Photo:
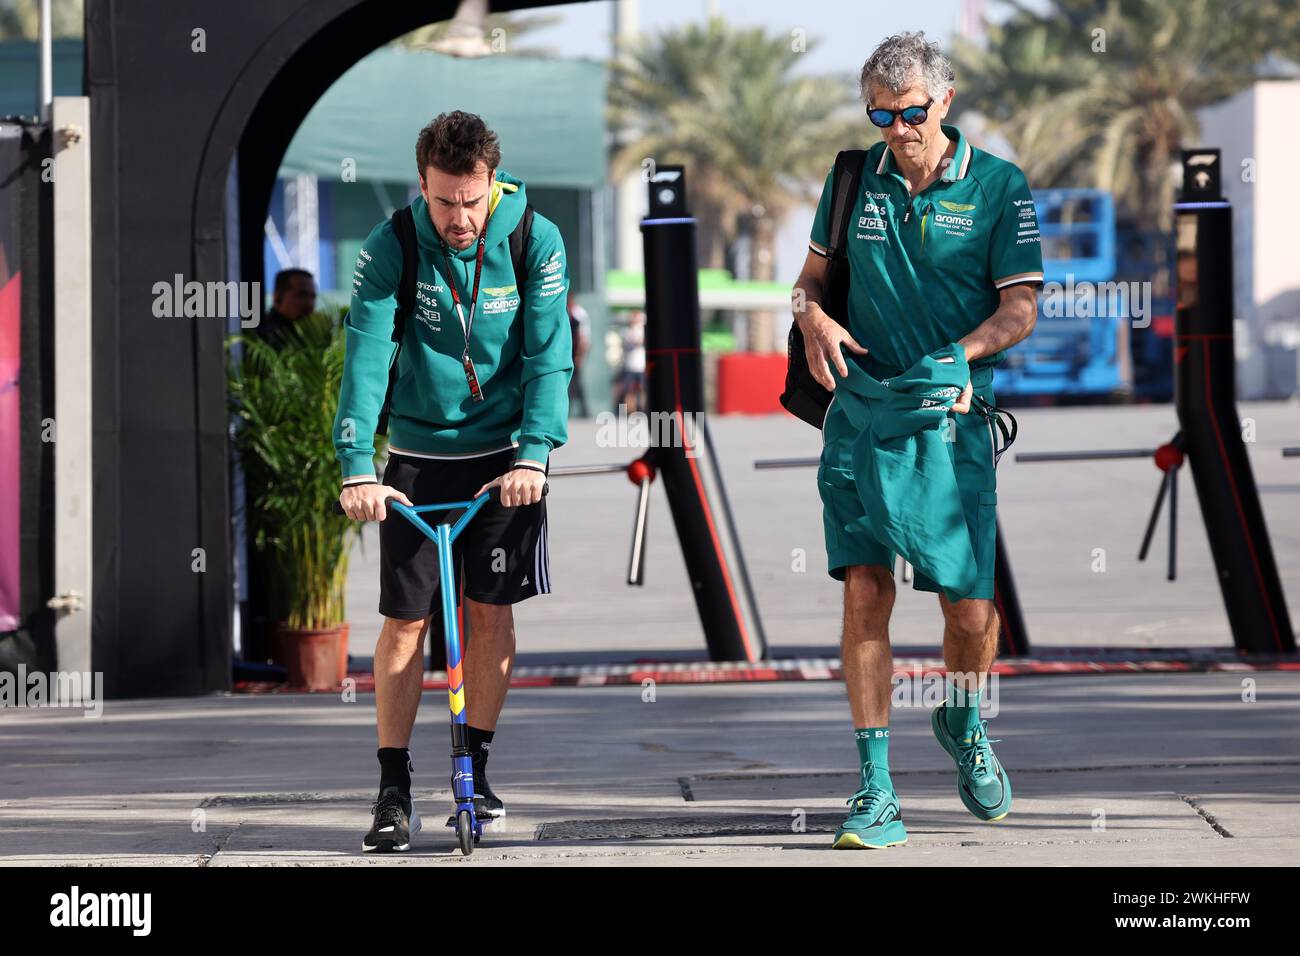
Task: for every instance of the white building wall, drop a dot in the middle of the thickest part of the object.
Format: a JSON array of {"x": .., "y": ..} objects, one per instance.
[
  {"x": 1259, "y": 140},
  {"x": 1277, "y": 233}
]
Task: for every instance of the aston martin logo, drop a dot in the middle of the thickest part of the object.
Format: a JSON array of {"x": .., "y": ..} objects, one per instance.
[
  {"x": 956, "y": 206},
  {"x": 499, "y": 290}
]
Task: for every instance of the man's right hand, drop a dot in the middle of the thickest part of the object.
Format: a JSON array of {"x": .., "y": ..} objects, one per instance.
[
  {"x": 366, "y": 502},
  {"x": 823, "y": 338}
]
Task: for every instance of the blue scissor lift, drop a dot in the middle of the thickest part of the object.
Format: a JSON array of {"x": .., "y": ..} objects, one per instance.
[{"x": 1071, "y": 355}]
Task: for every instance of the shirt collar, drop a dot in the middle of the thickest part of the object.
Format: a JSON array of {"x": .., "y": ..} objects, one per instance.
[{"x": 957, "y": 169}]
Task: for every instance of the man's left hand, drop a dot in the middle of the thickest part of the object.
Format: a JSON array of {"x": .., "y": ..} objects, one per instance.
[
  {"x": 962, "y": 405},
  {"x": 519, "y": 486}
]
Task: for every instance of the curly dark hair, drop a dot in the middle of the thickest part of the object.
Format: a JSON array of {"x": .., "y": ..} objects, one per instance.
[{"x": 456, "y": 143}]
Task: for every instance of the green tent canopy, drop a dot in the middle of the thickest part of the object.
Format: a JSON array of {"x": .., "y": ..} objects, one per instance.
[{"x": 549, "y": 114}]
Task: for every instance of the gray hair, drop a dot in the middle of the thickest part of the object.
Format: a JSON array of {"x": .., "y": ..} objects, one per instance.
[{"x": 903, "y": 59}]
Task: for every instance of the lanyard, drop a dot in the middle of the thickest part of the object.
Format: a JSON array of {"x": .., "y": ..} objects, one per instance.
[
  {"x": 471, "y": 377},
  {"x": 466, "y": 327}
]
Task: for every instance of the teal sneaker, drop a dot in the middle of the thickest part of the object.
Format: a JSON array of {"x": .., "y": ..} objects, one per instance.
[
  {"x": 874, "y": 821},
  {"x": 982, "y": 781}
]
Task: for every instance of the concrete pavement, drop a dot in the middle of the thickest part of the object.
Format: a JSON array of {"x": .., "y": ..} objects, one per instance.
[{"x": 1108, "y": 771}]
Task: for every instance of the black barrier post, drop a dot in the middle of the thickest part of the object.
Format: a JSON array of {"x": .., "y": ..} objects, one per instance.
[
  {"x": 675, "y": 396},
  {"x": 1209, "y": 440},
  {"x": 1013, "y": 635},
  {"x": 1205, "y": 396}
]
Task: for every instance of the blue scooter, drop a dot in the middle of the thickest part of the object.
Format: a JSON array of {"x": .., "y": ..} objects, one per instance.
[{"x": 469, "y": 829}]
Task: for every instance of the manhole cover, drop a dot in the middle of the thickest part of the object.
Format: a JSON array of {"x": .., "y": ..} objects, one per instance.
[{"x": 663, "y": 828}]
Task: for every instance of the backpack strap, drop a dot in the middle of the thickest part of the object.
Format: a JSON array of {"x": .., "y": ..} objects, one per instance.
[
  {"x": 846, "y": 184},
  {"x": 403, "y": 223},
  {"x": 519, "y": 238},
  {"x": 804, "y": 397}
]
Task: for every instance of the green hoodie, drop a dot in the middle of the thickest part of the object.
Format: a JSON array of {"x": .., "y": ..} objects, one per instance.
[
  {"x": 523, "y": 360},
  {"x": 905, "y": 464}
]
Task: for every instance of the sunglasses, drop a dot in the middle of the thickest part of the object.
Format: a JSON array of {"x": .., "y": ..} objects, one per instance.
[{"x": 912, "y": 115}]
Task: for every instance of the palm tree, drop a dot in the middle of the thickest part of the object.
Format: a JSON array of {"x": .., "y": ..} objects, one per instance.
[
  {"x": 1116, "y": 117},
  {"x": 467, "y": 36},
  {"x": 757, "y": 140},
  {"x": 21, "y": 19}
]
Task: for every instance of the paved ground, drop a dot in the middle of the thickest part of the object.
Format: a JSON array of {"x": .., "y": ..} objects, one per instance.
[{"x": 1109, "y": 771}]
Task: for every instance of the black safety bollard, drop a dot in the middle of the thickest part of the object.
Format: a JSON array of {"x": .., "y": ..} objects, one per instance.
[
  {"x": 1205, "y": 396},
  {"x": 692, "y": 481}
]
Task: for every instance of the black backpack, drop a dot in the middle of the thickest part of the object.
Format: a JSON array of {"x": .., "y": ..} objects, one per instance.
[
  {"x": 804, "y": 397},
  {"x": 403, "y": 222}
]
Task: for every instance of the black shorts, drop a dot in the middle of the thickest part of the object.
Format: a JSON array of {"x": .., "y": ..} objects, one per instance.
[{"x": 501, "y": 555}]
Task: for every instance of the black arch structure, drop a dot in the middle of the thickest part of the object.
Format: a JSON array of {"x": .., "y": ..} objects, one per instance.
[{"x": 167, "y": 123}]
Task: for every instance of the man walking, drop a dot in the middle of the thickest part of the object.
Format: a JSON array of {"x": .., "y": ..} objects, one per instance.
[
  {"x": 480, "y": 400},
  {"x": 943, "y": 250}
]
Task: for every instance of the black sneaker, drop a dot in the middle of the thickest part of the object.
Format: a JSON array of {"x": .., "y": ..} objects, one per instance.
[
  {"x": 395, "y": 822},
  {"x": 487, "y": 805}
]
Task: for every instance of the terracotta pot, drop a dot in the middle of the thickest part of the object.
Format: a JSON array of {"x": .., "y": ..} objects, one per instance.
[
  {"x": 313, "y": 657},
  {"x": 343, "y": 653}
]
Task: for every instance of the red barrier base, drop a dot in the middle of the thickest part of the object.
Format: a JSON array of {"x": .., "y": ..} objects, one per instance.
[{"x": 751, "y": 384}]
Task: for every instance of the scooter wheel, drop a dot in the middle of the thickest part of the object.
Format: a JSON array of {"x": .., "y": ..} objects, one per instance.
[{"x": 465, "y": 832}]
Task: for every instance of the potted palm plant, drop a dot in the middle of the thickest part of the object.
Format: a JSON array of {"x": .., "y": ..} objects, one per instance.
[{"x": 284, "y": 397}]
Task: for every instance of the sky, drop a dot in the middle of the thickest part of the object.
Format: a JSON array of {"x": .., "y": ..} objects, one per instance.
[
  {"x": 846, "y": 33},
  {"x": 847, "y": 30}
]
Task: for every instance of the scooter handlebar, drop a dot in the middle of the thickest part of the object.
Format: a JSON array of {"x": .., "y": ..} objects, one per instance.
[{"x": 494, "y": 491}]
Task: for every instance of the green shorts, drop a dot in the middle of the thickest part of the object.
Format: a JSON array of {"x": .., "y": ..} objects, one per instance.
[{"x": 976, "y": 479}]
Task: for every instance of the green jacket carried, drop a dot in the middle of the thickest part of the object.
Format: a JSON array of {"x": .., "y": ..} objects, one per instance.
[
  {"x": 904, "y": 465},
  {"x": 520, "y": 345}
]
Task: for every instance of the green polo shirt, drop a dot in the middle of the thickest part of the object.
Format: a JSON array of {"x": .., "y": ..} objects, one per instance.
[{"x": 926, "y": 270}]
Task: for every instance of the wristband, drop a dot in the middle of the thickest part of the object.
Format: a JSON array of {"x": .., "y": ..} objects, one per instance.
[{"x": 530, "y": 467}]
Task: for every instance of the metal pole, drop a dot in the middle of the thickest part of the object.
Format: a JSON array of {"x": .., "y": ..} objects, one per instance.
[
  {"x": 1098, "y": 455},
  {"x": 763, "y": 464},
  {"x": 574, "y": 471},
  {"x": 636, "y": 563},
  {"x": 47, "y": 62}
]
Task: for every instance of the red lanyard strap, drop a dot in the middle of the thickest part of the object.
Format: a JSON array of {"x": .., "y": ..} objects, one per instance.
[{"x": 466, "y": 327}]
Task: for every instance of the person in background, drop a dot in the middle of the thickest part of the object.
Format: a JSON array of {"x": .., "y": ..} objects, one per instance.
[
  {"x": 293, "y": 297},
  {"x": 631, "y": 381},
  {"x": 580, "y": 330}
]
